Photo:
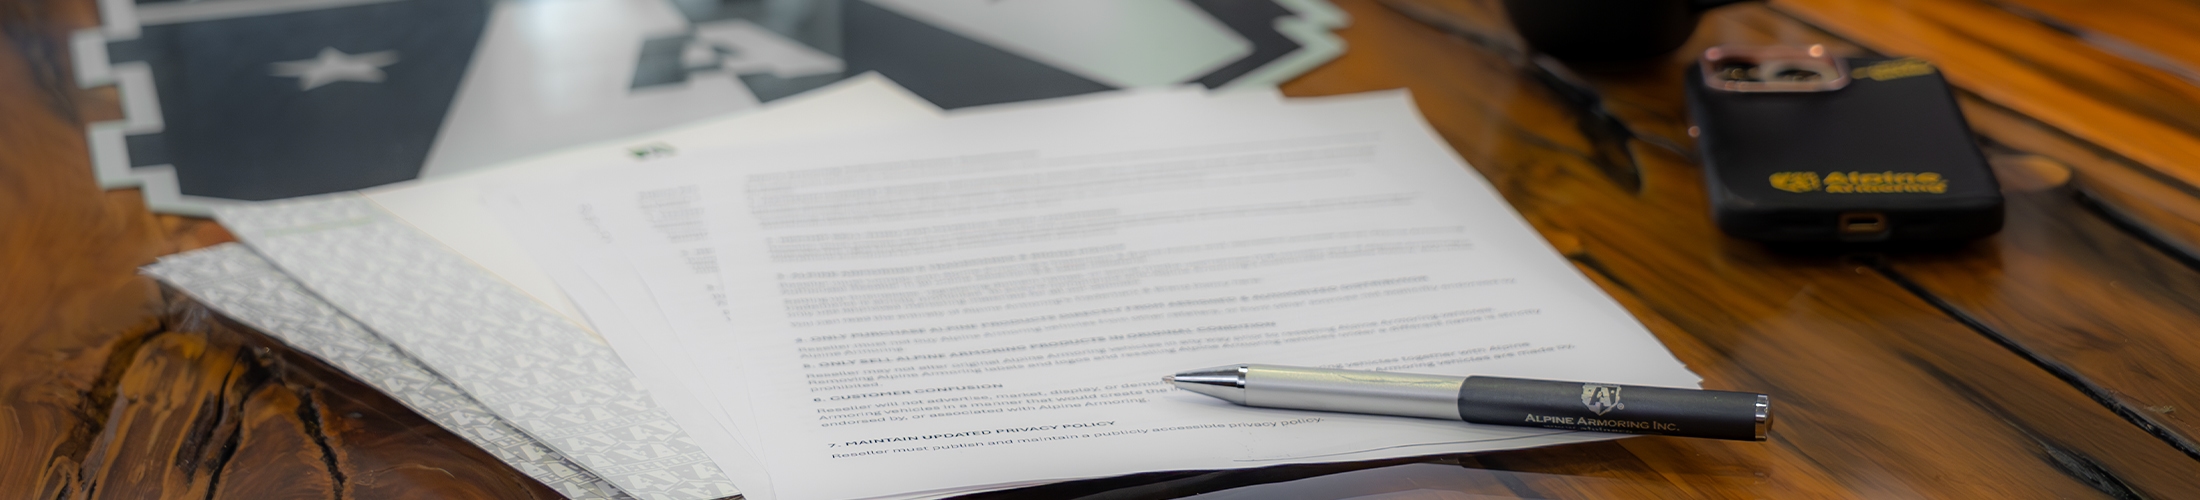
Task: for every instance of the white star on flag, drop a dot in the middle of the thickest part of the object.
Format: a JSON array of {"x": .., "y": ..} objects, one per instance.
[{"x": 335, "y": 66}]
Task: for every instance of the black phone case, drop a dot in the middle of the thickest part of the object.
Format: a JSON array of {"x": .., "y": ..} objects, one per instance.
[{"x": 1794, "y": 167}]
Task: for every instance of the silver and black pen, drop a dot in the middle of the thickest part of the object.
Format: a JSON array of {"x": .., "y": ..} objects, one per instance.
[{"x": 1491, "y": 400}]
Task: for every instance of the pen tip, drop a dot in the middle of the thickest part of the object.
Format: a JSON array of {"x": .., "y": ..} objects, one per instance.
[{"x": 1168, "y": 379}]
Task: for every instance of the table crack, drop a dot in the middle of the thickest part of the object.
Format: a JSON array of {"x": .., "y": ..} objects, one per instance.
[
  {"x": 309, "y": 414},
  {"x": 2101, "y": 395}
]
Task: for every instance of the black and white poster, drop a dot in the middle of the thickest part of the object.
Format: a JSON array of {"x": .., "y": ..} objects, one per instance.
[{"x": 244, "y": 100}]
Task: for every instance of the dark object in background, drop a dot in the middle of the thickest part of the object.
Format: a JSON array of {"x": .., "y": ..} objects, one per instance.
[
  {"x": 1799, "y": 146},
  {"x": 955, "y": 71},
  {"x": 1606, "y": 30}
]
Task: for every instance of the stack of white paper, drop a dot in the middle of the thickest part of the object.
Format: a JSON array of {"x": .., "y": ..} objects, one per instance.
[
  {"x": 870, "y": 300},
  {"x": 989, "y": 300},
  {"x": 414, "y": 290}
]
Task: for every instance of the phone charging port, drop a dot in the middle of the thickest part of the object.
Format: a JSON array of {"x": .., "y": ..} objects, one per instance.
[{"x": 1863, "y": 225}]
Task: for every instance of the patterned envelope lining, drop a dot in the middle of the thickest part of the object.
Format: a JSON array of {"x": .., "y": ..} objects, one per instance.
[
  {"x": 529, "y": 365},
  {"x": 244, "y": 287}
]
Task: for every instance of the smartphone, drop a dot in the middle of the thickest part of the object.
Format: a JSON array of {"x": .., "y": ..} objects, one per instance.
[{"x": 1801, "y": 147}]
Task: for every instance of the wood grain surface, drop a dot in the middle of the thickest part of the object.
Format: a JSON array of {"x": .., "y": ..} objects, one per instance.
[
  {"x": 109, "y": 389},
  {"x": 2050, "y": 361},
  {"x": 2122, "y": 77}
]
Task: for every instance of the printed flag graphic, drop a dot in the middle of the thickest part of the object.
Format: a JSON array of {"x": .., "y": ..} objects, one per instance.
[{"x": 242, "y": 100}]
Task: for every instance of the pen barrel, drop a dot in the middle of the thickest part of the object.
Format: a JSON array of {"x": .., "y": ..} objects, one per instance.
[
  {"x": 1615, "y": 408},
  {"x": 1378, "y": 393}
]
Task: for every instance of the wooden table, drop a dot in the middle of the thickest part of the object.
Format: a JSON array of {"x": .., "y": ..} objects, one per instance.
[{"x": 2060, "y": 358}]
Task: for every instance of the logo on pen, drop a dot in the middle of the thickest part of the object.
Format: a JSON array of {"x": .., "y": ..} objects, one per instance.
[{"x": 1601, "y": 398}]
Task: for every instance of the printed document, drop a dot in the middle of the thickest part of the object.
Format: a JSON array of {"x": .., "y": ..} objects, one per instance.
[
  {"x": 991, "y": 300},
  {"x": 449, "y": 208},
  {"x": 456, "y": 214}
]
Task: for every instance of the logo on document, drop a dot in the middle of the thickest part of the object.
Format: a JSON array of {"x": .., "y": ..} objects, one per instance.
[{"x": 1601, "y": 398}]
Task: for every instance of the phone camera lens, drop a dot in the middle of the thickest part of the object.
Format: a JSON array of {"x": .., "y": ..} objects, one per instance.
[{"x": 1738, "y": 71}]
